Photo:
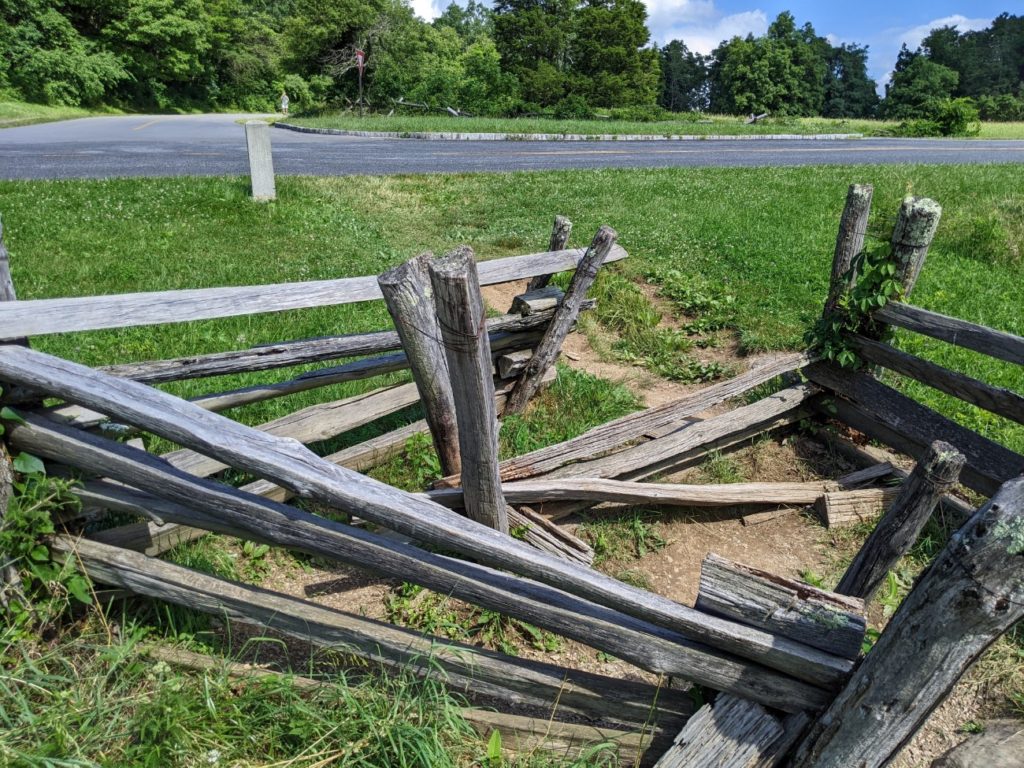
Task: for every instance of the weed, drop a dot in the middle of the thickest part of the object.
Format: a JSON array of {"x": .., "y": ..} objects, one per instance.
[
  {"x": 629, "y": 536},
  {"x": 718, "y": 468}
]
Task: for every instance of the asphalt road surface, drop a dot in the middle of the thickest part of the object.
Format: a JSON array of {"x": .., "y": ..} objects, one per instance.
[{"x": 208, "y": 145}]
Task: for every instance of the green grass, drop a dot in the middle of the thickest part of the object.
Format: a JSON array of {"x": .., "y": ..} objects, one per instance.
[
  {"x": 762, "y": 236},
  {"x": 15, "y": 113},
  {"x": 682, "y": 125}
]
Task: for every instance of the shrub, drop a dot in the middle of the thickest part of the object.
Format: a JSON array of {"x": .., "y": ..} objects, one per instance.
[
  {"x": 956, "y": 117},
  {"x": 573, "y": 107}
]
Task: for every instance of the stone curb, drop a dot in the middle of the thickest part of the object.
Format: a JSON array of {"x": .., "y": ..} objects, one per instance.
[{"x": 564, "y": 136}]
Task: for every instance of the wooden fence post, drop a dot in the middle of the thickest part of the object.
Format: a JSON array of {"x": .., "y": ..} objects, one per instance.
[
  {"x": 849, "y": 243},
  {"x": 547, "y": 351},
  {"x": 970, "y": 595},
  {"x": 410, "y": 300},
  {"x": 912, "y": 236},
  {"x": 261, "y": 161},
  {"x": 460, "y": 312},
  {"x": 900, "y": 526},
  {"x": 560, "y": 232}
]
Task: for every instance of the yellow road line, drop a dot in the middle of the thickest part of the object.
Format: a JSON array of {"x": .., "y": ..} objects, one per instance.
[{"x": 146, "y": 125}]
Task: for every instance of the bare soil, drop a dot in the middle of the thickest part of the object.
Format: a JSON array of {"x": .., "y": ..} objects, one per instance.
[{"x": 792, "y": 544}]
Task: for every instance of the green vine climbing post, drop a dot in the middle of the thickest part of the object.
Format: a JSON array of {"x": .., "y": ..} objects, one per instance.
[{"x": 849, "y": 243}]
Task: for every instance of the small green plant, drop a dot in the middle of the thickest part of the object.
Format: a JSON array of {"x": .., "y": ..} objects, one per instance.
[
  {"x": 812, "y": 578},
  {"x": 256, "y": 563},
  {"x": 721, "y": 469},
  {"x": 412, "y": 606},
  {"x": 630, "y": 536}
]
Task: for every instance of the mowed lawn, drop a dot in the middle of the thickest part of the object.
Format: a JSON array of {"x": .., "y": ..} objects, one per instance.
[{"x": 763, "y": 236}]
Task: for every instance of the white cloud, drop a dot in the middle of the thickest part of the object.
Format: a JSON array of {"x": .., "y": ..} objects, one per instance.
[
  {"x": 429, "y": 9},
  {"x": 913, "y": 37},
  {"x": 703, "y": 35},
  {"x": 886, "y": 46}
]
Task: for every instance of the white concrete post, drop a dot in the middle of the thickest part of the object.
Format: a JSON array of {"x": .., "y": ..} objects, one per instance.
[{"x": 261, "y": 162}]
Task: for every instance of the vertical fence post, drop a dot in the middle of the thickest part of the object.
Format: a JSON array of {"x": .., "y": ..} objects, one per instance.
[
  {"x": 971, "y": 595},
  {"x": 849, "y": 243},
  {"x": 410, "y": 300},
  {"x": 261, "y": 161},
  {"x": 560, "y": 232},
  {"x": 900, "y": 526},
  {"x": 460, "y": 312},
  {"x": 8, "y": 571},
  {"x": 912, "y": 236},
  {"x": 562, "y": 321}
]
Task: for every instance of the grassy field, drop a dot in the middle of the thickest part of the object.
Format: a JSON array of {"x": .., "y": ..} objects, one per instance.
[
  {"x": 738, "y": 254},
  {"x": 15, "y": 113},
  {"x": 682, "y": 126},
  {"x": 756, "y": 240}
]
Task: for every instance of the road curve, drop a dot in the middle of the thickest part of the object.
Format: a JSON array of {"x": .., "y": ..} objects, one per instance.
[{"x": 209, "y": 145}]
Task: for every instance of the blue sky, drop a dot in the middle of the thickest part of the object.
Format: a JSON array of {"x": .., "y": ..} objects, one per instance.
[{"x": 883, "y": 26}]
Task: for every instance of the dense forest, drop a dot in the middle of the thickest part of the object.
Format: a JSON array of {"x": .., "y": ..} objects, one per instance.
[{"x": 566, "y": 58}]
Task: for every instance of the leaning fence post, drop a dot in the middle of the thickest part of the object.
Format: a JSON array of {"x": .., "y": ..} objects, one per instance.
[
  {"x": 460, "y": 312},
  {"x": 562, "y": 321},
  {"x": 560, "y": 232},
  {"x": 261, "y": 161},
  {"x": 410, "y": 300},
  {"x": 849, "y": 243},
  {"x": 899, "y": 527},
  {"x": 971, "y": 595}
]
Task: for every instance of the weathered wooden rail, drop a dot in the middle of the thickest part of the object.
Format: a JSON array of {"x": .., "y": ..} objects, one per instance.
[{"x": 785, "y": 658}]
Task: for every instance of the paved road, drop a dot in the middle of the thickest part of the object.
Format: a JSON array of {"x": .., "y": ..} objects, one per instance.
[{"x": 209, "y": 145}]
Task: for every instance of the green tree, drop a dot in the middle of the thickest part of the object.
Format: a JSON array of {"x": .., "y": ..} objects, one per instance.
[
  {"x": 534, "y": 39},
  {"x": 918, "y": 84},
  {"x": 473, "y": 22},
  {"x": 849, "y": 91},
  {"x": 684, "y": 78},
  {"x": 610, "y": 65}
]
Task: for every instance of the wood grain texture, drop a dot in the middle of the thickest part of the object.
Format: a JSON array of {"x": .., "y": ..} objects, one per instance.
[
  {"x": 971, "y": 594},
  {"x": 997, "y": 400},
  {"x": 564, "y": 319},
  {"x": 849, "y": 243},
  {"x": 289, "y": 464},
  {"x": 513, "y": 363},
  {"x": 463, "y": 667},
  {"x": 842, "y": 509},
  {"x": 560, "y": 232},
  {"x": 538, "y": 300},
  {"x": 227, "y": 510},
  {"x": 916, "y": 224},
  {"x": 410, "y": 302},
  {"x": 289, "y": 353},
  {"x": 988, "y": 341},
  {"x": 911, "y": 427},
  {"x": 657, "y": 494},
  {"x": 898, "y": 529},
  {"x": 39, "y": 316},
  {"x": 664, "y": 453},
  {"x": 460, "y": 315},
  {"x": 825, "y": 620},
  {"x": 727, "y": 733}
]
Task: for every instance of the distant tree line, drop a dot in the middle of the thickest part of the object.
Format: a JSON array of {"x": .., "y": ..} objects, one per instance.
[{"x": 559, "y": 57}]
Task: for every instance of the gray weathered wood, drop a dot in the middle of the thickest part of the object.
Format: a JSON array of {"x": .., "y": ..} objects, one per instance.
[
  {"x": 664, "y": 453},
  {"x": 227, "y": 510},
  {"x": 997, "y": 400},
  {"x": 148, "y": 537},
  {"x": 969, "y": 596},
  {"x": 10, "y": 581},
  {"x": 842, "y": 509},
  {"x": 866, "y": 476},
  {"x": 911, "y": 427},
  {"x": 261, "y": 161},
  {"x": 290, "y": 464},
  {"x": 568, "y": 310},
  {"x": 826, "y": 620},
  {"x": 410, "y": 301},
  {"x": 727, "y": 733},
  {"x": 903, "y": 522},
  {"x": 988, "y": 341},
  {"x": 541, "y": 533},
  {"x": 531, "y": 302},
  {"x": 643, "y": 425},
  {"x": 461, "y": 312},
  {"x": 289, "y": 353},
  {"x": 513, "y": 363},
  {"x": 38, "y": 316},
  {"x": 463, "y": 667},
  {"x": 957, "y": 511},
  {"x": 849, "y": 243},
  {"x": 915, "y": 228},
  {"x": 657, "y": 494},
  {"x": 7, "y": 292},
  {"x": 560, "y": 232}
]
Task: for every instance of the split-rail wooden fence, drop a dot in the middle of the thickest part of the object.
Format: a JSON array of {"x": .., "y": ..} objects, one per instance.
[{"x": 782, "y": 662}]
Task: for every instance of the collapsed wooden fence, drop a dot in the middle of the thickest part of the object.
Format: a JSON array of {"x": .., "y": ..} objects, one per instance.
[{"x": 785, "y": 657}]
